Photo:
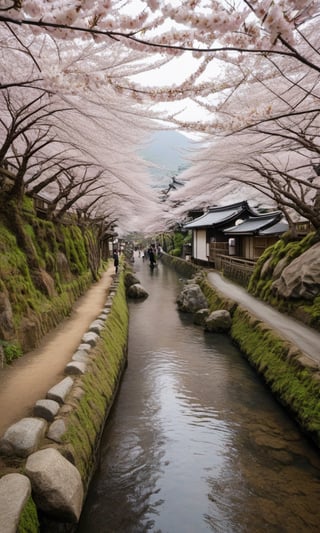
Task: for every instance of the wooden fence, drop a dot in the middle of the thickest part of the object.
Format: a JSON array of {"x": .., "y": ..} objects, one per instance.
[{"x": 235, "y": 268}]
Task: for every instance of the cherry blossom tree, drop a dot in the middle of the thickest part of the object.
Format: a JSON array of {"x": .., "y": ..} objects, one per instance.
[
  {"x": 82, "y": 122},
  {"x": 101, "y": 47},
  {"x": 264, "y": 132}
]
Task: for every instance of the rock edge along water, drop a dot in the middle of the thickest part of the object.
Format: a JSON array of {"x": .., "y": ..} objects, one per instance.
[
  {"x": 69, "y": 434},
  {"x": 292, "y": 376}
]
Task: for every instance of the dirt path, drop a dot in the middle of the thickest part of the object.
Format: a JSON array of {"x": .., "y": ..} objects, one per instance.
[
  {"x": 29, "y": 378},
  {"x": 307, "y": 339}
]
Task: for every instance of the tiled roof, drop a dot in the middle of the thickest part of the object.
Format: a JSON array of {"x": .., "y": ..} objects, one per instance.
[
  {"x": 275, "y": 229},
  {"x": 219, "y": 215},
  {"x": 255, "y": 225}
]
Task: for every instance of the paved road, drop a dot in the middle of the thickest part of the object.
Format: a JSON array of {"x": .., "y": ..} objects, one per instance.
[{"x": 305, "y": 338}]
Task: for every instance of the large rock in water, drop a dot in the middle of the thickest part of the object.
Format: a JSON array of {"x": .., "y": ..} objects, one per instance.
[
  {"x": 137, "y": 291},
  {"x": 191, "y": 299},
  {"x": 130, "y": 279},
  {"x": 301, "y": 279},
  {"x": 218, "y": 321}
]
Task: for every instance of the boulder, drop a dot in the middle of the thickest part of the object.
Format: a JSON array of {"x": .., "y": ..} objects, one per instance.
[
  {"x": 266, "y": 268},
  {"x": 46, "y": 409},
  {"x": 44, "y": 282},
  {"x": 63, "y": 267},
  {"x": 200, "y": 316},
  {"x": 29, "y": 332},
  {"x": 280, "y": 266},
  {"x": 23, "y": 437},
  {"x": 56, "y": 430},
  {"x": 301, "y": 278},
  {"x": 137, "y": 291},
  {"x": 56, "y": 484},
  {"x": 130, "y": 279},
  {"x": 191, "y": 299},
  {"x": 218, "y": 321},
  {"x": 15, "y": 491}
]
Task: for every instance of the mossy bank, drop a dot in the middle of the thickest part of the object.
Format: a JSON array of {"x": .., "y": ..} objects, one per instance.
[
  {"x": 83, "y": 413},
  {"x": 270, "y": 266},
  {"x": 293, "y": 378},
  {"x": 44, "y": 268}
]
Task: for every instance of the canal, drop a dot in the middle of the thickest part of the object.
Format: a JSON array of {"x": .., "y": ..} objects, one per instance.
[{"x": 195, "y": 442}]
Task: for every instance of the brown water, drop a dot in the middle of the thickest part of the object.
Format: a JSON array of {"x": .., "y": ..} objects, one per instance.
[
  {"x": 195, "y": 442},
  {"x": 29, "y": 378}
]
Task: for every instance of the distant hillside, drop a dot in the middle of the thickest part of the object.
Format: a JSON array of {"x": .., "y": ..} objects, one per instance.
[{"x": 169, "y": 151}]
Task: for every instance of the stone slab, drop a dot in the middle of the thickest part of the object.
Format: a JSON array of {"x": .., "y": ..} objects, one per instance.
[
  {"x": 90, "y": 338},
  {"x": 96, "y": 326},
  {"x": 81, "y": 356},
  {"x": 75, "y": 368},
  {"x": 46, "y": 409},
  {"x": 85, "y": 347},
  {"x": 59, "y": 392}
]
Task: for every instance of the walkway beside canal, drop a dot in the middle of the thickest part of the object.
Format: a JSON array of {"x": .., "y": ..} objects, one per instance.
[
  {"x": 27, "y": 379},
  {"x": 302, "y": 336}
]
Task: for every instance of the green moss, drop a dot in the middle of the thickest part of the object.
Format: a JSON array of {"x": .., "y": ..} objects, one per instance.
[
  {"x": 294, "y": 385},
  {"x": 216, "y": 299},
  {"x": 15, "y": 275},
  {"x": 313, "y": 312},
  {"x": 185, "y": 268},
  {"x": 261, "y": 286},
  {"x": 11, "y": 350},
  {"x": 290, "y": 382},
  {"x": 99, "y": 384},
  {"x": 21, "y": 277},
  {"x": 29, "y": 229},
  {"x": 74, "y": 248},
  {"x": 29, "y": 522},
  {"x": 27, "y": 205}
]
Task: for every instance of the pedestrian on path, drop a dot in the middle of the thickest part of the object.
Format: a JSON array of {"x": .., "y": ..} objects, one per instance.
[{"x": 116, "y": 261}]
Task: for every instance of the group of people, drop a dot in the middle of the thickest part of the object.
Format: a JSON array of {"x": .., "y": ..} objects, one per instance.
[{"x": 151, "y": 253}]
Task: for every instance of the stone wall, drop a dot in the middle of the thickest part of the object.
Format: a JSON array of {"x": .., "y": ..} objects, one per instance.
[
  {"x": 49, "y": 458},
  {"x": 185, "y": 268}
]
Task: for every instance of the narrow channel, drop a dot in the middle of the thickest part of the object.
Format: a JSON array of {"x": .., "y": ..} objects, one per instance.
[{"x": 195, "y": 441}]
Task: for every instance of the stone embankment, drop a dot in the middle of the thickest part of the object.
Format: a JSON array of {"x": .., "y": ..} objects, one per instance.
[
  {"x": 49, "y": 457},
  {"x": 291, "y": 374}
]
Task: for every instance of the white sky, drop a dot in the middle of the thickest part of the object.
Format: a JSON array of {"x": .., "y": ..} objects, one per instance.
[{"x": 170, "y": 75}]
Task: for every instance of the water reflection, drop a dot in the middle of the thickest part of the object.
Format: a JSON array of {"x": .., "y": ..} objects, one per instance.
[{"x": 195, "y": 442}]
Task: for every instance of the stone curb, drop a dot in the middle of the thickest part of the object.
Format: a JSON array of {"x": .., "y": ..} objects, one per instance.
[{"x": 23, "y": 439}]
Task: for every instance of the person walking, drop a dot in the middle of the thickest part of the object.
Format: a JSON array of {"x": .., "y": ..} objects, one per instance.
[
  {"x": 116, "y": 261},
  {"x": 152, "y": 257}
]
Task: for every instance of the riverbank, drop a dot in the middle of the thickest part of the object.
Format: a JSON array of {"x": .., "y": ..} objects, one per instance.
[
  {"x": 55, "y": 445},
  {"x": 291, "y": 373}
]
